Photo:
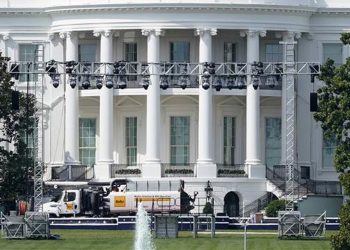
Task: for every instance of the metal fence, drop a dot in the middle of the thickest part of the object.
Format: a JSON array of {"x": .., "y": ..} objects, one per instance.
[
  {"x": 237, "y": 170},
  {"x": 124, "y": 170},
  {"x": 171, "y": 170}
]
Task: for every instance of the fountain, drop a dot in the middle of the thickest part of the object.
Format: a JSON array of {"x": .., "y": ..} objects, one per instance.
[{"x": 143, "y": 238}]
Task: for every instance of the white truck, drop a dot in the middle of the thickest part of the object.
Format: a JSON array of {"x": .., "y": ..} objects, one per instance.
[{"x": 117, "y": 200}]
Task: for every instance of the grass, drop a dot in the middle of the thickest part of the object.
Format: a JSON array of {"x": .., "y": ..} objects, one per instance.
[{"x": 123, "y": 240}]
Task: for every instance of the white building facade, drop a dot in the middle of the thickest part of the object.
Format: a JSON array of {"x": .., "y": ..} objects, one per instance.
[{"x": 158, "y": 135}]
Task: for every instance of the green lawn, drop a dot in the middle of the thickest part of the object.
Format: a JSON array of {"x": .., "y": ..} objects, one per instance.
[{"x": 123, "y": 240}]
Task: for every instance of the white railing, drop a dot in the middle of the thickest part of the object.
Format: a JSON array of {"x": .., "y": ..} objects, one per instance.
[{"x": 86, "y": 3}]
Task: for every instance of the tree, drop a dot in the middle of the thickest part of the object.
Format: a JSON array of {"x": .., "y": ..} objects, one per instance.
[
  {"x": 334, "y": 115},
  {"x": 16, "y": 119}
]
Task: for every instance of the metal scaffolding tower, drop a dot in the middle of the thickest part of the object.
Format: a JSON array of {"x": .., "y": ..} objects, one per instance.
[{"x": 289, "y": 69}]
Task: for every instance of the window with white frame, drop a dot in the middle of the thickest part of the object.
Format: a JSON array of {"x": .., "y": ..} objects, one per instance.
[
  {"x": 272, "y": 141},
  {"x": 87, "y": 141},
  {"x": 28, "y": 53},
  {"x": 180, "y": 51},
  {"x": 333, "y": 51},
  {"x": 273, "y": 52},
  {"x": 229, "y": 140},
  {"x": 130, "y": 55},
  {"x": 179, "y": 140},
  {"x": 131, "y": 140},
  {"x": 229, "y": 52},
  {"x": 328, "y": 151},
  {"x": 87, "y": 52}
]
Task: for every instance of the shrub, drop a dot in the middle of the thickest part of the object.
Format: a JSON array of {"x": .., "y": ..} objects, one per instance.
[
  {"x": 178, "y": 171},
  {"x": 126, "y": 171},
  {"x": 274, "y": 206},
  {"x": 208, "y": 208}
]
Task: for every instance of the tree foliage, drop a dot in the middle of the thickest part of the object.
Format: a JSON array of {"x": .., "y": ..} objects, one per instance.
[
  {"x": 334, "y": 115},
  {"x": 15, "y": 163}
]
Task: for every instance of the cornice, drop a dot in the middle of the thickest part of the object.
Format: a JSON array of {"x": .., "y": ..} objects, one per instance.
[{"x": 163, "y": 7}]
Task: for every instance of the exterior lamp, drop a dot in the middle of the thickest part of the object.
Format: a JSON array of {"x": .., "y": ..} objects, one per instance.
[{"x": 164, "y": 84}]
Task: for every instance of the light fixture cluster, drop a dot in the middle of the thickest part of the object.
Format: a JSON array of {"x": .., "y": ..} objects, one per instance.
[{"x": 117, "y": 75}]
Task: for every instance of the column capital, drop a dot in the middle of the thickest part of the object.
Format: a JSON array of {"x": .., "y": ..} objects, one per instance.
[
  {"x": 5, "y": 36},
  {"x": 52, "y": 36},
  {"x": 291, "y": 35},
  {"x": 66, "y": 34},
  {"x": 202, "y": 31},
  {"x": 105, "y": 33},
  {"x": 157, "y": 32},
  {"x": 252, "y": 33}
]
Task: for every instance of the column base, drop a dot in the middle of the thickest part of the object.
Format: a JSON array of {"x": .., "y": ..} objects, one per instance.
[
  {"x": 102, "y": 171},
  {"x": 256, "y": 171},
  {"x": 152, "y": 170},
  {"x": 206, "y": 170}
]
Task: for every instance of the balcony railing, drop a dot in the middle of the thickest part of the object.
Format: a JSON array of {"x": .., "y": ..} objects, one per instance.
[
  {"x": 71, "y": 173},
  {"x": 125, "y": 170},
  {"x": 237, "y": 170},
  {"x": 303, "y": 185},
  {"x": 171, "y": 170}
]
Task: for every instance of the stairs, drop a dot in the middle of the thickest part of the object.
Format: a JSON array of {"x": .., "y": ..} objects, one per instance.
[{"x": 276, "y": 185}]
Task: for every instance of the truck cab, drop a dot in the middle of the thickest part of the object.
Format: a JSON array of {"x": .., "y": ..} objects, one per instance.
[{"x": 67, "y": 204}]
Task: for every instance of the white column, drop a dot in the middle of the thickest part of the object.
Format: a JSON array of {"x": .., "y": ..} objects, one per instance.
[
  {"x": 205, "y": 165},
  {"x": 102, "y": 170},
  {"x": 253, "y": 140},
  {"x": 152, "y": 166},
  {"x": 3, "y": 48},
  {"x": 72, "y": 105},
  {"x": 287, "y": 37}
]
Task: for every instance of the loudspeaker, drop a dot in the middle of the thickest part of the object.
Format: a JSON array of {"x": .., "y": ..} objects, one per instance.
[
  {"x": 313, "y": 102},
  {"x": 15, "y": 100}
]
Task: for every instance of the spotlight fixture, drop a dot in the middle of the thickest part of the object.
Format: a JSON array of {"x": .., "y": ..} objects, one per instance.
[
  {"x": 14, "y": 71},
  {"x": 164, "y": 84},
  {"x": 99, "y": 82},
  {"x": 109, "y": 82},
  {"x": 255, "y": 82},
  {"x": 218, "y": 84},
  {"x": 230, "y": 83},
  {"x": 145, "y": 81},
  {"x": 240, "y": 82},
  {"x": 73, "y": 81},
  {"x": 184, "y": 81},
  {"x": 206, "y": 75},
  {"x": 55, "y": 80},
  {"x": 86, "y": 82},
  {"x": 271, "y": 81},
  {"x": 70, "y": 66},
  {"x": 121, "y": 82}
]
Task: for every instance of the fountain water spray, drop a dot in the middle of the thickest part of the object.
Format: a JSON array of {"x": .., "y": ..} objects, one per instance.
[{"x": 143, "y": 238}]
